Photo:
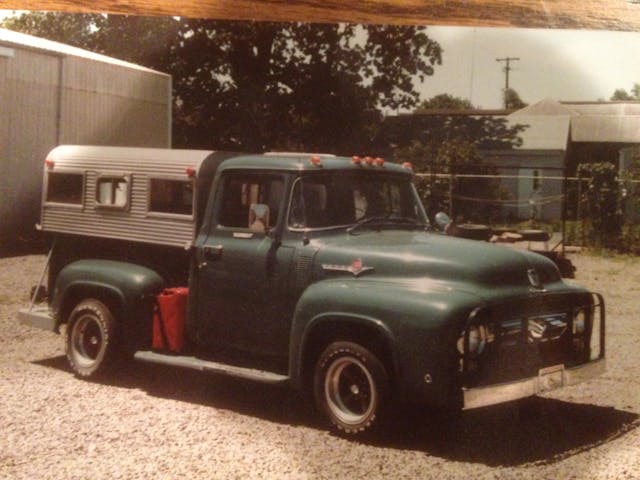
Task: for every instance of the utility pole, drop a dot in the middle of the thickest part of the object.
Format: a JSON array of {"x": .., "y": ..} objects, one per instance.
[{"x": 507, "y": 68}]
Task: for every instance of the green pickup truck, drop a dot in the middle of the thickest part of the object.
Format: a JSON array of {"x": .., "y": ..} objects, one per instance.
[{"x": 315, "y": 271}]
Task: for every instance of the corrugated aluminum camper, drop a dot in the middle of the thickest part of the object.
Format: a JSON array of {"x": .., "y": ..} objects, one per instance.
[{"x": 101, "y": 201}]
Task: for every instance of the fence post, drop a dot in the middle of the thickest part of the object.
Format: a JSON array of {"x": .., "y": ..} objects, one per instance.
[
  {"x": 451, "y": 196},
  {"x": 579, "y": 208}
]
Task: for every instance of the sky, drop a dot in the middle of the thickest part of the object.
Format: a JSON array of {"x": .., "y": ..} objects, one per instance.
[{"x": 568, "y": 65}]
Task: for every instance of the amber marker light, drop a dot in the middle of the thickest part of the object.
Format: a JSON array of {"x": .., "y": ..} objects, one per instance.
[
  {"x": 378, "y": 162},
  {"x": 49, "y": 163},
  {"x": 356, "y": 160},
  {"x": 191, "y": 172},
  {"x": 368, "y": 160},
  {"x": 408, "y": 165},
  {"x": 315, "y": 160}
]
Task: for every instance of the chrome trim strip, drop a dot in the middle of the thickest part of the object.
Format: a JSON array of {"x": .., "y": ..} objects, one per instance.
[{"x": 505, "y": 392}]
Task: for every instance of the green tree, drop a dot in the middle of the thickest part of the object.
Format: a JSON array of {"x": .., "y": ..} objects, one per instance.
[
  {"x": 257, "y": 85},
  {"x": 604, "y": 202},
  {"x": 512, "y": 100},
  {"x": 444, "y": 101},
  {"x": 622, "y": 95}
]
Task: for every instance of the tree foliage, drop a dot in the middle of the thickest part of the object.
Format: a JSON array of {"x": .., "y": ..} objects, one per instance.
[
  {"x": 444, "y": 101},
  {"x": 622, "y": 95},
  {"x": 512, "y": 100},
  {"x": 256, "y": 85},
  {"x": 442, "y": 145}
]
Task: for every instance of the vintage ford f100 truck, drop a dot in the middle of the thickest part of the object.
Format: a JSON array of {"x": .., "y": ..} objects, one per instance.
[{"x": 316, "y": 271}]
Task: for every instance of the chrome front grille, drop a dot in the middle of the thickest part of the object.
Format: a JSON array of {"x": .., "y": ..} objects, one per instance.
[{"x": 518, "y": 345}]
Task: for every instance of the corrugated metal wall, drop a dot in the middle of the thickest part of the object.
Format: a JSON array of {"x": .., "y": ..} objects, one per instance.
[
  {"x": 47, "y": 99},
  {"x": 28, "y": 129}
]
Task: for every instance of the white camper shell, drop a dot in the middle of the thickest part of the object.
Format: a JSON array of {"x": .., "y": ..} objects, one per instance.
[{"x": 146, "y": 195}]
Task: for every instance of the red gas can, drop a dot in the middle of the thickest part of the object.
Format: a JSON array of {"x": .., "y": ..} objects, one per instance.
[{"x": 169, "y": 318}]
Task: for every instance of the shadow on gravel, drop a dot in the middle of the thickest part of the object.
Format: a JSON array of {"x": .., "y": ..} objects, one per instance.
[
  {"x": 497, "y": 436},
  {"x": 494, "y": 436}
]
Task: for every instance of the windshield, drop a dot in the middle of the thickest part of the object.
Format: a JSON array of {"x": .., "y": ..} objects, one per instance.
[{"x": 342, "y": 199}]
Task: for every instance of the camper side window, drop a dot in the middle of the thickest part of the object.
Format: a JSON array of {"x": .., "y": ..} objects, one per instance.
[
  {"x": 112, "y": 191},
  {"x": 171, "y": 196},
  {"x": 65, "y": 187}
]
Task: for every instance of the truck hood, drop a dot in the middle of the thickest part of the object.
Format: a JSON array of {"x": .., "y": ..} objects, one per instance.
[{"x": 403, "y": 255}]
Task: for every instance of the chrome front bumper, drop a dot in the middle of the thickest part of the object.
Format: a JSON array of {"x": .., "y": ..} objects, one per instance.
[{"x": 548, "y": 379}]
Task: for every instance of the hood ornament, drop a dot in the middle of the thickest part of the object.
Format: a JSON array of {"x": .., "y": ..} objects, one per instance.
[{"x": 356, "y": 268}]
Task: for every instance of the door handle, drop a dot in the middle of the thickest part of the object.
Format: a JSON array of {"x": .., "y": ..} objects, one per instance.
[{"x": 212, "y": 252}]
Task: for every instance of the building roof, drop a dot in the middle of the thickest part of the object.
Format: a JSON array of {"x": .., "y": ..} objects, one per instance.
[
  {"x": 601, "y": 122},
  {"x": 542, "y": 132},
  {"x": 544, "y": 107},
  {"x": 21, "y": 40}
]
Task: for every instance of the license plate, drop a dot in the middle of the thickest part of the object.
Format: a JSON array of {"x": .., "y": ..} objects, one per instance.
[{"x": 550, "y": 378}]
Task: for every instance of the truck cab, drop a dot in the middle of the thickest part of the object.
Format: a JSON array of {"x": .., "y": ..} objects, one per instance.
[{"x": 315, "y": 271}]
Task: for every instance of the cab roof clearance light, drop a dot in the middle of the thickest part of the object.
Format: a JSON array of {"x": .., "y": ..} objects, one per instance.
[
  {"x": 316, "y": 161},
  {"x": 191, "y": 172},
  {"x": 408, "y": 165},
  {"x": 49, "y": 163},
  {"x": 378, "y": 162},
  {"x": 356, "y": 160}
]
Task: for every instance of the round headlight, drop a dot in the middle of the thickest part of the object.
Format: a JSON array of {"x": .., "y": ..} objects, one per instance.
[{"x": 579, "y": 322}]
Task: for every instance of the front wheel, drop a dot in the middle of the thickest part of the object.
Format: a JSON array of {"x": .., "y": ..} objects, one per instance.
[
  {"x": 350, "y": 387},
  {"x": 91, "y": 338}
]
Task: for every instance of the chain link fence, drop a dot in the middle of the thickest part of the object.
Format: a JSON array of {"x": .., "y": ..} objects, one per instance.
[{"x": 567, "y": 208}]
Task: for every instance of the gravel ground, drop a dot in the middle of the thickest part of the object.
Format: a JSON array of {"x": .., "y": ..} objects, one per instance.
[{"x": 156, "y": 422}]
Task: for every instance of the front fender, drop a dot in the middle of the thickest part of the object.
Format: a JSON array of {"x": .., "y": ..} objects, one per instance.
[
  {"x": 420, "y": 322},
  {"x": 125, "y": 284}
]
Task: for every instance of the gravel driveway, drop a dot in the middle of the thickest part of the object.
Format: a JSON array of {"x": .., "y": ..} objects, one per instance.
[{"x": 155, "y": 422}]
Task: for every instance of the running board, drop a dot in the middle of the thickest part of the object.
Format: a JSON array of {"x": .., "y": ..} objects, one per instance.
[{"x": 194, "y": 363}]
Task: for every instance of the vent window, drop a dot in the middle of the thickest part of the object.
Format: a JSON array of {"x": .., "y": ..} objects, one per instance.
[{"x": 112, "y": 192}]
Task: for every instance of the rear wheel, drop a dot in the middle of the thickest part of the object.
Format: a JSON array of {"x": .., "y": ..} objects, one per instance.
[
  {"x": 351, "y": 387},
  {"x": 91, "y": 338}
]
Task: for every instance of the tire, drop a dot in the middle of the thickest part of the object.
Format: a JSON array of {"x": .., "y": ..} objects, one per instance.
[
  {"x": 91, "y": 339},
  {"x": 472, "y": 231},
  {"x": 351, "y": 387}
]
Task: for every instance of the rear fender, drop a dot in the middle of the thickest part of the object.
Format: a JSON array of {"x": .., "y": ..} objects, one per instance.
[{"x": 126, "y": 288}]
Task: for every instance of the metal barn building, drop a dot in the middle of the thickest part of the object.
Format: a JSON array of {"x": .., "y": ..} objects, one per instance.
[{"x": 53, "y": 94}]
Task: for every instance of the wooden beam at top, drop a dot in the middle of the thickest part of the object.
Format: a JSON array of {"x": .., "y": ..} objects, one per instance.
[{"x": 578, "y": 14}]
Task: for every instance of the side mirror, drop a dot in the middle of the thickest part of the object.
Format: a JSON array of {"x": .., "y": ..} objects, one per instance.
[
  {"x": 259, "y": 217},
  {"x": 442, "y": 220}
]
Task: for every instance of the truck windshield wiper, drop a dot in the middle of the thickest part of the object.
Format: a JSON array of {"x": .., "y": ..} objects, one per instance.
[{"x": 386, "y": 219}]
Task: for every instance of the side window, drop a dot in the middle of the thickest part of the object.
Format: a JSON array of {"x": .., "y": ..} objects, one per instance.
[
  {"x": 112, "y": 191},
  {"x": 63, "y": 187},
  {"x": 171, "y": 196},
  {"x": 250, "y": 201}
]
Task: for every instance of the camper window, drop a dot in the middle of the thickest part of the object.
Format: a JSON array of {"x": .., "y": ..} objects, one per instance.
[
  {"x": 171, "y": 196},
  {"x": 65, "y": 187}
]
